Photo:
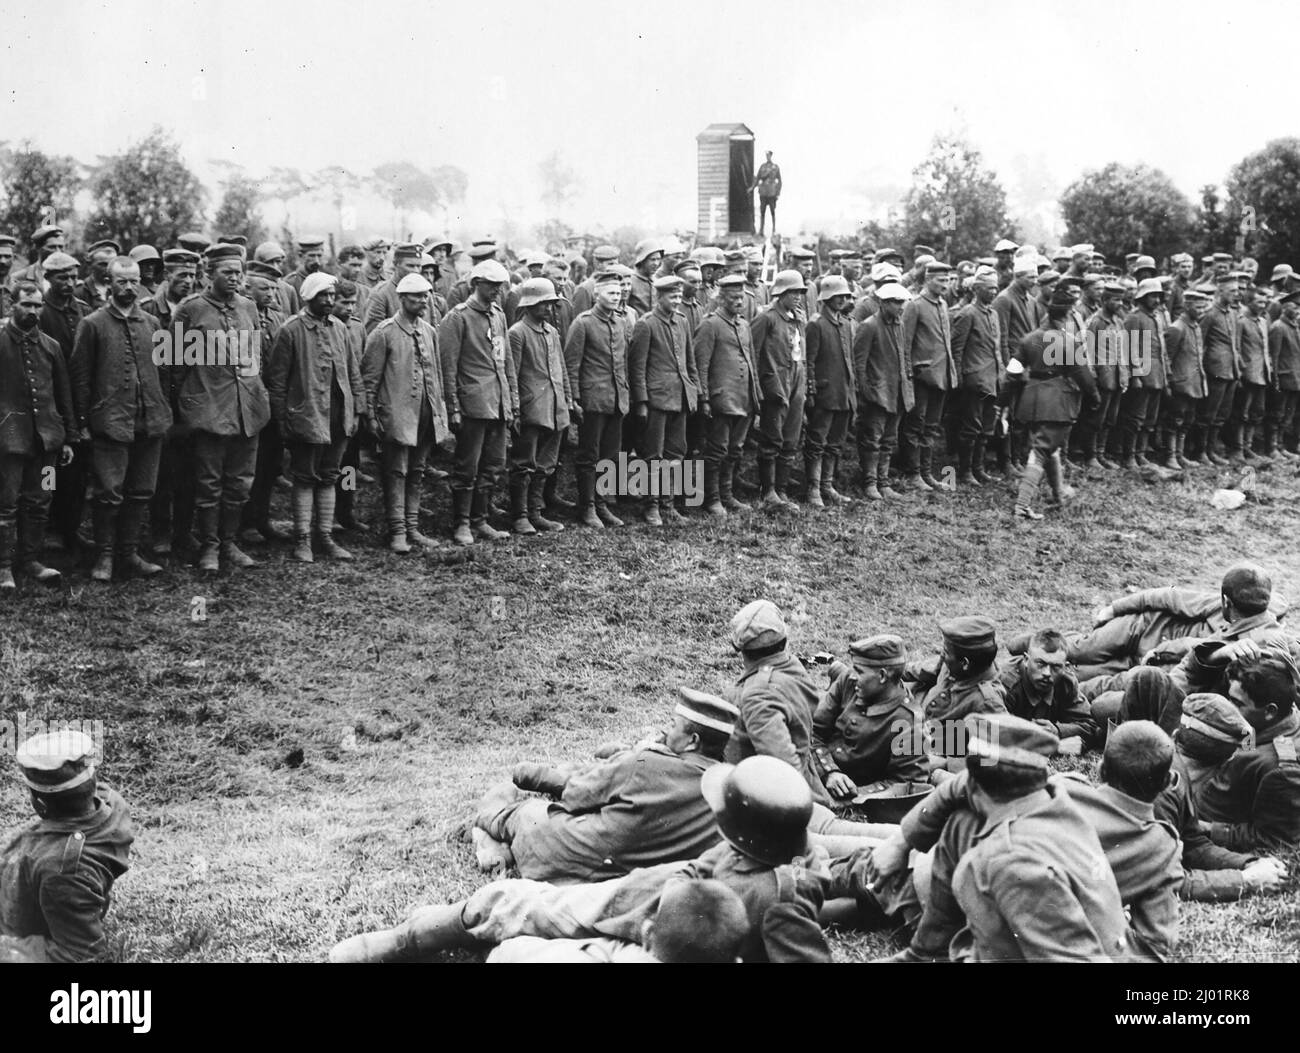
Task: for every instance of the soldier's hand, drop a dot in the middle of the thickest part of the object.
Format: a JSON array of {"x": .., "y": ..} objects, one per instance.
[
  {"x": 1264, "y": 874},
  {"x": 453, "y": 422},
  {"x": 888, "y": 858},
  {"x": 641, "y": 411},
  {"x": 1071, "y": 746},
  {"x": 83, "y": 435},
  {"x": 1237, "y": 650},
  {"x": 840, "y": 785},
  {"x": 375, "y": 428},
  {"x": 576, "y": 413},
  {"x": 65, "y": 456},
  {"x": 707, "y": 410},
  {"x": 1103, "y": 614},
  {"x": 810, "y": 401}
]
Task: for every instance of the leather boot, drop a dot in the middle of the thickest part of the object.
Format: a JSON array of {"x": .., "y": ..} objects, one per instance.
[
  {"x": 325, "y": 501},
  {"x": 1248, "y": 453},
  {"x": 462, "y": 502},
  {"x": 768, "y": 499},
  {"x": 414, "y": 497},
  {"x": 870, "y": 468},
  {"x": 1211, "y": 455},
  {"x": 130, "y": 522},
  {"x": 30, "y": 542},
  {"x": 977, "y": 458},
  {"x": 650, "y": 512},
  {"x": 104, "y": 520},
  {"x": 427, "y": 931},
  {"x": 728, "y": 472},
  {"x": 8, "y": 546},
  {"x": 781, "y": 486},
  {"x": 1270, "y": 441},
  {"x": 478, "y": 516},
  {"x": 536, "y": 502},
  {"x": 519, "y": 521},
  {"x": 1180, "y": 447},
  {"x": 882, "y": 476},
  {"x": 813, "y": 471},
  {"x": 1193, "y": 443},
  {"x": 1140, "y": 449},
  {"x": 1029, "y": 480},
  {"x": 1171, "y": 453},
  {"x": 1232, "y": 444},
  {"x": 301, "y": 502},
  {"x": 587, "y": 500},
  {"x": 830, "y": 468},
  {"x": 927, "y": 474},
  {"x": 395, "y": 513},
  {"x": 553, "y": 503},
  {"x": 1055, "y": 471},
  {"x": 345, "y": 503},
  {"x": 606, "y": 514},
  {"x": 964, "y": 475},
  {"x": 1128, "y": 443},
  {"x": 1104, "y": 457},
  {"x": 229, "y": 529},
  {"x": 205, "y": 525},
  {"x": 669, "y": 514},
  {"x": 713, "y": 490}
]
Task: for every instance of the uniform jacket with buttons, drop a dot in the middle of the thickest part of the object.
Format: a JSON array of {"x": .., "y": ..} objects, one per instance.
[
  {"x": 1252, "y": 341},
  {"x": 1058, "y": 377},
  {"x": 661, "y": 363},
  {"x": 401, "y": 370},
  {"x": 309, "y": 364},
  {"x": 543, "y": 379},
  {"x": 56, "y": 877},
  {"x": 1284, "y": 355},
  {"x": 1018, "y": 316},
  {"x": 883, "y": 369},
  {"x": 724, "y": 360},
  {"x": 778, "y": 341},
  {"x": 873, "y": 741},
  {"x": 976, "y": 348},
  {"x": 946, "y": 698},
  {"x": 1185, "y": 351},
  {"x": 1110, "y": 364},
  {"x": 224, "y": 399},
  {"x": 595, "y": 354},
  {"x": 1145, "y": 335},
  {"x": 36, "y": 409},
  {"x": 927, "y": 342},
  {"x": 61, "y": 322},
  {"x": 1253, "y": 800},
  {"x": 477, "y": 367},
  {"x": 1222, "y": 355},
  {"x": 1061, "y": 708},
  {"x": 831, "y": 380},
  {"x": 116, "y": 385}
]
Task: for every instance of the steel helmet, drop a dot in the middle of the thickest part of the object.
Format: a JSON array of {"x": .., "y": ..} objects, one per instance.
[
  {"x": 834, "y": 285},
  {"x": 788, "y": 281},
  {"x": 762, "y": 806},
  {"x": 535, "y": 291}
]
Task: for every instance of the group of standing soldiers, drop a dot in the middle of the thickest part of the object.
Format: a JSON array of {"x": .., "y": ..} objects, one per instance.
[{"x": 175, "y": 383}]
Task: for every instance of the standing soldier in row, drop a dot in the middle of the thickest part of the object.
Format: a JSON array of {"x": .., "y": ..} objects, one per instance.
[
  {"x": 1020, "y": 312},
  {"x": 885, "y": 392},
  {"x": 927, "y": 345},
  {"x": 224, "y": 401},
  {"x": 385, "y": 300},
  {"x": 584, "y": 296},
  {"x": 93, "y": 290},
  {"x": 36, "y": 418},
  {"x": 1105, "y": 332},
  {"x": 1144, "y": 338},
  {"x": 1185, "y": 350},
  {"x": 46, "y": 241},
  {"x": 1252, "y": 341},
  {"x": 346, "y": 304},
  {"x": 976, "y": 351},
  {"x": 121, "y": 405},
  {"x": 1222, "y": 367},
  {"x": 832, "y": 398},
  {"x": 374, "y": 273},
  {"x": 60, "y": 317},
  {"x": 482, "y": 398},
  {"x": 261, "y": 282},
  {"x": 646, "y": 260},
  {"x": 402, "y": 375},
  {"x": 729, "y": 394},
  {"x": 595, "y": 354},
  {"x": 1284, "y": 392},
  {"x": 316, "y": 398},
  {"x": 778, "y": 339},
  {"x": 664, "y": 388},
  {"x": 545, "y": 404},
  {"x": 311, "y": 257}
]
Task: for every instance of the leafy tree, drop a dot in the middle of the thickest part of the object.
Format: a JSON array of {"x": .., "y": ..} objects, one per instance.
[
  {"x": 1122, "y": 209},
  {"x": 1264, "y": 202},
  {"x": 1212, "y": 222},
  {"x": 955, "y": 201},
  {"x": 37, "y": 187},
  {"x": 409, "y": 188},
  {"x": 145, "y": 195},
  {"x": 240, "y": 210}
]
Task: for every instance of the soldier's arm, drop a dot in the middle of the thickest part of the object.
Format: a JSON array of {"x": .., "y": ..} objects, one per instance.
[
  {"x": 791, "y": 933},
  {"x": 596, "y": 785},
  {"x": 638, "y": 354},
  {"x": 922, "y": 826},
  {"x": 924, "y": 671},
  {"x": 1002, "y": 308},
  {"x": 862, "y": 343},
  {"x": 909, "y": 332},
  {"x": 1275, "y": 820},
  {"x": 1153, "y": 916},
  {"x": 375, "y": 311},
  {"x": 574, "y": 344},
  {"x": 512, "y": 379},
  {"x": 767, "y": 382},
  {"x": 1071, "y": 714},
  {"x": 360, "y": 404},
  {"x": 692, "y": 370},
  {"x": 1042, "y": 911},
  {"x": 372, "y": 369},
  {"x": 277, "y": 372},
  {"x": 812, "y": 345},
  {"x": 81, "y": 371},
  {"x": 73, "y": 907},
  {"x": 768, "y": 731},
  {"x": 704, "y": 357},
  {"x": 907, "y": 754},
  {"x": 447, "y": 354},
  {"x": 963, "y": 322},
  {"x": 1193, "y": 604}
]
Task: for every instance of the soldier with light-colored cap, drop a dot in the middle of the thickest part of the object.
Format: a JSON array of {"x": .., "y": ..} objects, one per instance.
[
  {"x": 645, "y": 259},
  {"x": 778, "y": 338},
  {"x": 584, "y": 296},
  {"x": 832, "y": 390},
  {"x": 385, "y": 300},
  {"x": 884, "y": 386},
  {"x": 57, "y": 874}
]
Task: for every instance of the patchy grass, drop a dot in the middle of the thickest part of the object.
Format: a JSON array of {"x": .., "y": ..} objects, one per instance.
[{"x": 302, "y": 764}]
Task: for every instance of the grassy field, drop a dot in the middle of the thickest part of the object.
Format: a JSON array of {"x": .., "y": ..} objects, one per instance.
[{"x": 302, "y": 764}]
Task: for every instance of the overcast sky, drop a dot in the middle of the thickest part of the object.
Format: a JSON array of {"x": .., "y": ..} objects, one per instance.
[{"x": 847, "y": 96}]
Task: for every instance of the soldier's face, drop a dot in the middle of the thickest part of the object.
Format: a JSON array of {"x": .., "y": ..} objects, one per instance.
[
  {"x": 351, "y": 268},
  {"x": 180, "y": 282},
  {"x": 1184, "y": 269},
  {"x": 52, "y": 244},
  {"x": 62, "y": 282},
  {"x": 322, "y": 303},
  {"x": 753, "y": 268},
  {"x": 733, "y": 298},
  {"x": 891, "y": 310},
  {"x": 671, "y": 298},
  {"x": 6, "y": 259},
  {"x": 609, "y": 295},
  {"x": 838, "y": 303},
  {"x": 408, "y": 265},
  {"x": 984, "y": 293},
  {"x": 276, "y": 261},
  {"x": 1195, "y": 309},
  {"x": 375, "y": 257},
  {"x": 711, "y": 272},
  {"x": 27, "y": 309},
  {"x": 261, "y": 291},
  {"x": 344, "y": 306},
  {"x": 1256, "y": 715},
  {"x": 227, "y": 278},
  {"x": 124, "y": 285},
  {"x": 1112, "y": 302},
  {"x": 99, "y": 265},
  {"x": 1290, "y": 311},
  {"x": 681, "y": 737},
  {"x": 1043, "y": 667},
  {"x": 414, "y": 304},
  {"x": 937, "y": 284},
  {"x": 312, "y": 259}
]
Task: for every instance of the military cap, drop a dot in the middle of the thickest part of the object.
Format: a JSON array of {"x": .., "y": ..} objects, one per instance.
[
  {"x": 105, "y": 243},
  {"x": 1062, "y": 297},
  {"x": 853, "y": 254},
  {"x": 375, "y": 244},
  {"x": 1049, "y": 277},
  {"x": 1060, "y": 254},
  {"x": 1000, "y": 738},
  {"x": 1206, "y": 289},
  {"x": 883, "y": 272},
  {"x": 535, "y": 291},
  {"x": 709, "y": 711},
  {"x": 8, "y": 239},
  {"x": 982, "y": 261},
  {"x": 1222, "y": 257},
  {"x": 193, "y": 241},
  {"x": 1144, "y": 263},
  {"x": 173, "y": 257},
  {"x": 1110, "y": 287},
  {"x": 144, "y": 252},
  {"x": 838, "y": 254},
  {"x": 42, "y": 234},
  {"x": 1148, "y": 286},
  {"x": 480, "y": 250},
  {"x": 731, "y": 281},
  {"x": 757, "y": 625},
  {"x": 1181, "y": 257},
  {"x": 59, "y": 261},
  {"x": 787, "y": 281},
  {"x": 798, "y": 252},
  {"x": 880, "y": 255},
  {"x": 259, "y": 269},
  {"x": 235, "y": 239},
  {"x": 922, "y": 250},
  {"x": 1291, "y": 297},
  {"x": 558, "y": 261},
  {"x": 733, "y": 255},
  {"x": 753, "y": 254},
  {"x": 667, "y": 282},
  {"x": 412, "y": 284},
  {"x": 971, "y": 632},
  {"x": 672, "y": 246},
  {"x": 834, "y": 285},
  {"x": 268, "y": 250},
  {"x": 984, "y": 276},
  {"x": 1244, "y": 277},
  {"x": 427, "y": 261},
  {"x": 1228, "y": 278},
  {"x": 315, "y": 284},
  {"x": 645, "y": 248},
  {"x": 1212, "y": 728},
  {"x": 1025, "y": 265},
  {"x": 489, "y": 271},
  {"x": 221, "y": 253},
  {"x": 683, "y": 266},
  {"x": 605, "y": 253},
  {"x": 1196, "y": 294},
  {"x": 308, "y": 242},
  {"x": 57, "y": 761},
  {"x": 621, "y": 269},
  {"x": 607, "y": 277},
  {"x": 439, "y": 241},
  {"x": 1282, "y": 272},
  {"x": 878, "y": 652},
  {"x": 922, "y": 261},
  {"x": 1129, "y": 257},
  {"x": 1082, "y": 249},
  {"x": 1005, "y": 245},
  {"x": 1093, "y": 278},
  {"x": 411, "y": 250},
  {"x": 1098, "y": 256},
  {"x": 937, "y": 267},
  {"x": 893, "y": 291},
  {"x": 1207, "y": 260}
]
